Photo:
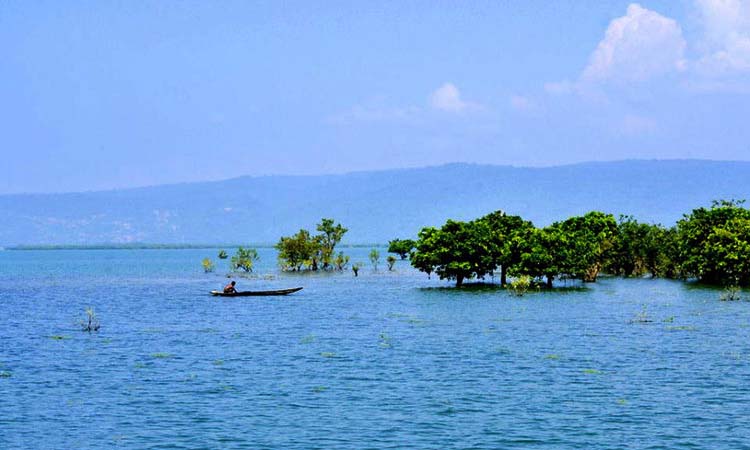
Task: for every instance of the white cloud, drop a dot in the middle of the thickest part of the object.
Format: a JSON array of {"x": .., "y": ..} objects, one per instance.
[
  {"x": 448, "y": 98},
  {"x": 726, "y": 43},
  {"x": 637, "y": 46}
]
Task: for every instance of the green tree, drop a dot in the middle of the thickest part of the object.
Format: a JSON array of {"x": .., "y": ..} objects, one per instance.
[
  {"x": 298, "y": 250},
  {"x": 401, "y": 247},
  {"x": 223, "y": 254},
  {"x": 340, "y": 261},
  {"x": 374, "y": 258},
  {"x": 208, "y": 265},
  {"x": 544, "y": 255},
  {"x": 589, "y": 238},
  {"x": 457, "y": 251},
  {"x": 713, "y": 243},
  {"x": 331, "y": 234},
  {"x": 244, "y": 259},
  {"x": 508, "y": 235},
  {"x": 390, "y": 260}
]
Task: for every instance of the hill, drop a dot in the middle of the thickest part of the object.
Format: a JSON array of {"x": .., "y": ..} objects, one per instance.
[{"x": 375, "y": 206}]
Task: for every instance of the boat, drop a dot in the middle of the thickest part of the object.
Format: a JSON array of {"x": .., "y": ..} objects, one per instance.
[{"x": 255, "y": 293}]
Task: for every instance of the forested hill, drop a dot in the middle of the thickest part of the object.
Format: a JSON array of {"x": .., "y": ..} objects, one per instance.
[{"x": 375, "y": 206}]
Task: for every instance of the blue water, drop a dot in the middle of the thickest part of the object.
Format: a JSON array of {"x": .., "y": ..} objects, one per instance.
[{"x": 384, "y": 360}]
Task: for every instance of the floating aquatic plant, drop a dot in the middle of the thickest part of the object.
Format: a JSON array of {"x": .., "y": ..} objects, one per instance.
[
  {"x": 552, "y": 356},
  {"x": 592, "y": 372},
  {"x": 58, "y": 337},
  {"x": 319, "y": 389},
  {"x": 327, "y": 354},
  {"x": 161, "y": 355}
]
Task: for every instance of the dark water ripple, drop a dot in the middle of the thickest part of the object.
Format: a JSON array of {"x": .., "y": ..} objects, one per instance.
[{"x": 385, "y": 360}]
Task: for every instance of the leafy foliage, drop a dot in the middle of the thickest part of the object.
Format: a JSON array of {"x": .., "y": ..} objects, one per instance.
[
  {"x": 401, "y": 247},
  {"x": 714, "y": 244},
  {"x": 208, "y": 265},
  {"x": 457, "y": 251},
  {"x": 244, "y": 259},
  {"x": 374, "y": 258},
  {"x": 223, "y": 254},
  {"x": 390, "y": 260},
  {"x": 313, "y": 252},
  {"x": 709, "y": 244}
]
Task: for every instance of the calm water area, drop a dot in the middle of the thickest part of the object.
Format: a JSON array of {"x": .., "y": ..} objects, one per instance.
[{"x": 383, "y": 360}]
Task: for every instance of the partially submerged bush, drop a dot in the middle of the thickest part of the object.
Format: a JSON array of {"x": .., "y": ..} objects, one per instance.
[
  {"x": 208, "y": 265},
  {"x": 355, "y": 268},
  {"x": 391, "y": 260},
  {"x": 731, "y": 293},
  {"x": 521, "y": 285},
  {"x": 91, "y": 323},
  {"x": 244, "y": 259}
]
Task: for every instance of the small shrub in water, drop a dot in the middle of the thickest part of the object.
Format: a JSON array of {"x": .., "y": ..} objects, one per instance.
[
  {"x": 91, "y": 323},
  {"x": 223, "y": 254},
  {"x": 642, "y": 317},
  {"x": 730, "y": 294},
  {"x": 355, "y": 268},
  {"x": 520, "y": 285},
  {"x": 208, "y": 265},
  {"x": 374, "y": 258},
  {"x": 391, "y": 260}
]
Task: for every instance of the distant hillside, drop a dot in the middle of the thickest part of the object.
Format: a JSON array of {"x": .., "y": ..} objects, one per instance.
[{"x": 375, "y": 206}]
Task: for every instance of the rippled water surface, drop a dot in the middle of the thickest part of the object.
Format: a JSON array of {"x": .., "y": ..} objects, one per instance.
[{"x": 384, "y": 360}]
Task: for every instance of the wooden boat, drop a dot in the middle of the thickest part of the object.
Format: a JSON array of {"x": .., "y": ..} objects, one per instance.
[{"x": 256, "y": 293}]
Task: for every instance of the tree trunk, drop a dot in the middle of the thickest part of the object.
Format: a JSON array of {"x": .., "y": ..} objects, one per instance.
[
  {"x": 549, "y": 281},
  {"x": 503, "y": 276},
  {"x": 591, "y": 273},
  {"x": 459, "y": 280}
]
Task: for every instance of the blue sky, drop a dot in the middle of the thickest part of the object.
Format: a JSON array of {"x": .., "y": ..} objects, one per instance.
[{"x": 105, "y": 94}]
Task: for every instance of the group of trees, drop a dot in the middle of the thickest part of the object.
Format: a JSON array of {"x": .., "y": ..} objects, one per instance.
[
  {"x": 244, "y": 260},
  {"x": 304, "y": 251},
  {"x": 709, "y": 244}
]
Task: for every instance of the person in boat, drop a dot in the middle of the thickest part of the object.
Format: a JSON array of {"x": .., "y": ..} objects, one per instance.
[{"x": 229, "y": 289}]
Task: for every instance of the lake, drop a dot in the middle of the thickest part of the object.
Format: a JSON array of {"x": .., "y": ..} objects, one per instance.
[{"x": 383, "y": 360}]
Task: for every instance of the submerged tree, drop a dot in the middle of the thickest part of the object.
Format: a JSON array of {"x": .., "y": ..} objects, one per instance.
[
  {"x": 589, "y": 239},
  {"x": 244, "y": 259},
  {"x": 457, "y": 251},
  {"x": 401, "y": 247},
  {"x": 390, "y": 260},
  {"x": 331, "y": 234},
  {"x": 208, "y": 265},
  {"x": 374, "y": 258},
  {"x": 223, "y": 254},
  {"x": 714, "y": 244},
  {"x": 507, "y": 240},
  {"x": 313, "y": 252}
]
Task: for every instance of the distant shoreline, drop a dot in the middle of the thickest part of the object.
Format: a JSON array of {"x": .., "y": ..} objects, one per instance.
[{"x": 154, "y": 246}]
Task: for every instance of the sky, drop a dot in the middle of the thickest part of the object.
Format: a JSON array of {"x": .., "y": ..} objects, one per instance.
[{"x": 112, "y": 94}]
